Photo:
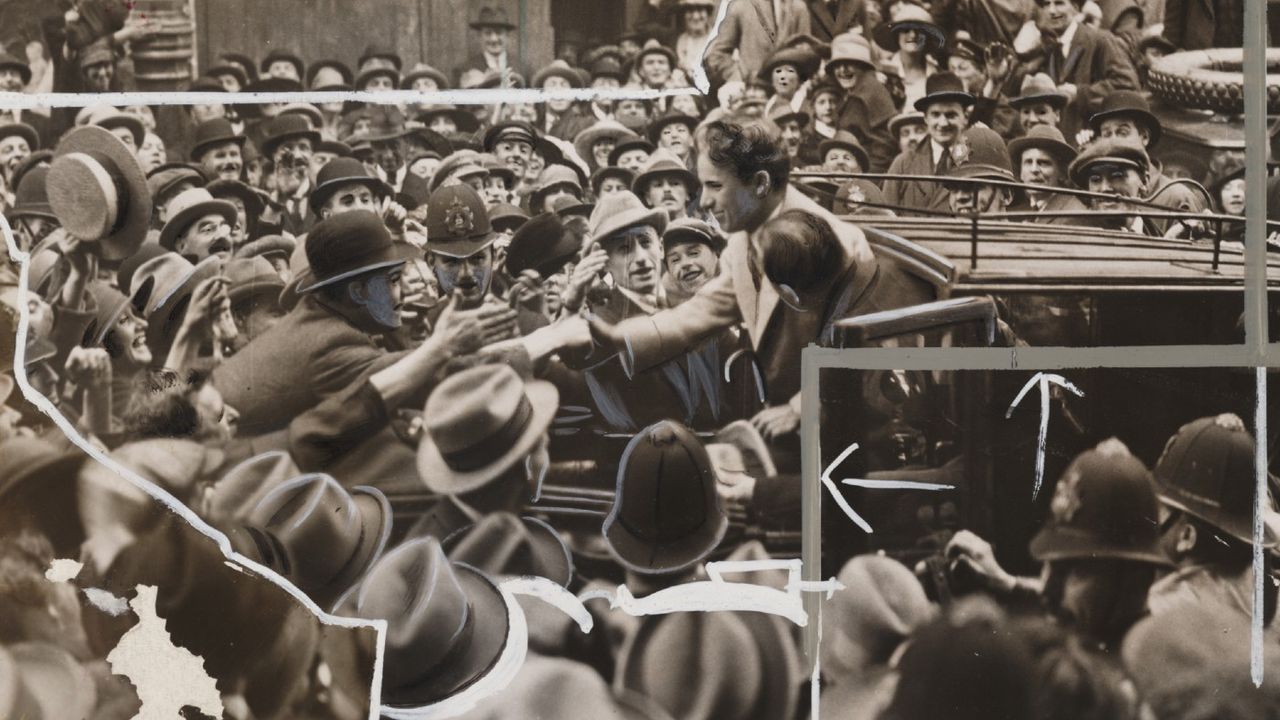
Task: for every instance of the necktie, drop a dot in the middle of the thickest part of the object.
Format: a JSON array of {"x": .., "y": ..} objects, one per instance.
[
  {"x": 753, "y": 261},
  {"x": 944, "y": 162},
  {"x": 1054, "y": 49}
]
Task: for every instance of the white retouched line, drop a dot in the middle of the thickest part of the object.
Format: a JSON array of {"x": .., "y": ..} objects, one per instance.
[
  {"x": 477, "y": 96},
  {"x": 1259, "y": 511},
  {"x": 553, "y": 594},
  {"x": 700, "y": 79},
  {"x": 895, "y": 484},
  {"x": 154, "y": 491}
]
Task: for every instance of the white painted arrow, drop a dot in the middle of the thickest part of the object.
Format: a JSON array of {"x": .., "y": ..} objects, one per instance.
[
  {"x": 1043, "y": 380},
  {"x": 830, "y": 485}
]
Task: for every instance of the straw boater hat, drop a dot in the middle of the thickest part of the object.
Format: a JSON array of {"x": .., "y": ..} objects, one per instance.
[
  {"x": 99, "y": 192},
  {"x": 480, "y": 422},
  {"x": 621, "y": 210}
]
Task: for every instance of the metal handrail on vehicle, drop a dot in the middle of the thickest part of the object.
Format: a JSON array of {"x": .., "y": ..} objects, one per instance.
[{"x": 1150, "y": 210}]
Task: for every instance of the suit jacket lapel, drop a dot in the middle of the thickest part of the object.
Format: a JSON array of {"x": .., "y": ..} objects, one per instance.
[
  {"x": 843, "y": 21},
  {"x": 823, "y": 16},
  {"x": 764, "y": 10},
  {"x": 736, "y": 264}
]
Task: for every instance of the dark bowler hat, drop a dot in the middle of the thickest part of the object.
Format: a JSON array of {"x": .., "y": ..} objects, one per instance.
[
  {"x": 653, "y": 47},
  {"x": 663, "y": 163},
  {"x": 943, "y": 87},
  {"x": 667, "y": 514},
  {"x": 693, "y": 230},
  {"x": 847, "y": 140},
  {"x": 348, "y": 245},
  {"x": 252, "y": 198},
  {"x": 671, "y": 117},
  {"x": 287, "y": 56},
  {"x": 336, "y": 66},
  {"x": 9, "y": 62},
  {"x": 1207, "y": 470},
  {"x": 552, "y": 177},
  {"x": 229, "y": 68},
  {"x": 516, "y": 130},
  {"x": 318, "y": 535},
  {"x": 32, "y": 197},
  {"x": 1108, "y": 150},
  {"x": 38, "y": 158},
  {"x": 608, "y": 171},
  {"x": 480, "y": 422},
  {"x": 608, "y": 66},
  {"x": 1132, "y": 104},
  {"x": 502, "y": 544},
  {"x": 447, "y": 623},
  {"x": 130, "y": 265},
  {"x": 344, "y": 171},
  {"x": 980, "y": 152},
  {"x": 541, "y": 244},
  {"x": 286, "y": 127},
  {"x": 99, "y": 192},
  {"x": 466, "y": 122},
  {"x": 636, "y": 143},
  {"x": 215, "y": 131},
  {"x": 24, "y": 131},
  {"x": 414, "y": 192},
  {"x": 162, "y": 288},
  {"x": 457, "y": 222},
  {"x": 1104, "y": 506},
  {"x": 378, "y": 51},
  {"x": 492, "y": 17},
  {"x": 505, "y": 216},
  {"x": 1044, "y": 137}
]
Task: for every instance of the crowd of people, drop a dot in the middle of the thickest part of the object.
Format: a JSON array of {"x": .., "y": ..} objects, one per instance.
[{"x": 398, "y": 353}]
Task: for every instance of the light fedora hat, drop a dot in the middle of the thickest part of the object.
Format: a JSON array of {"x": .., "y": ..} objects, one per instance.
[
  {"x": 98, "y": 191},
  {"x": 621, "y": 210},
  {"x": 477, "y": 423}
]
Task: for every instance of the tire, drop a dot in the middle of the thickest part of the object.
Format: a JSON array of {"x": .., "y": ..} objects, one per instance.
[{"x": 1210, "y": 79}]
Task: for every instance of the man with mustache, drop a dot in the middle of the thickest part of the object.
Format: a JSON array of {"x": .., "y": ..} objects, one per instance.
[
  {"x": 198, "y": 226},
  {"x": 219, "y": 149},
  {"x": 1042, "y": 157},
  {"x": 289, "y": 143},
  {"x": 664, "y": 182}
]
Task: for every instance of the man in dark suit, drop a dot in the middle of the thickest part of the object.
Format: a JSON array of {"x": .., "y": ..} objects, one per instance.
[
  {"x": 495, "y": 57},
  {"x": 945, "y": 107},
  {"x": 1085, "y": 63},
  {"x": 743, "y": 191},
  {"x": 829, "y": 18}
]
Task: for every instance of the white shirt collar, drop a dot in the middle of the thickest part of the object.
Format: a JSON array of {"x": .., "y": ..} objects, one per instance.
[
  {"x": 936, "y": 150},
  {"x": 496, "y": 61},
  {"x": 1067, "y": 37}
]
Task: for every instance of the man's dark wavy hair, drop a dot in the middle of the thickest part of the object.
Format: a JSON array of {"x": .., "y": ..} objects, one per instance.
[
  {"x": 161, "y": 405},
  {"x": 748, "y": 145}
]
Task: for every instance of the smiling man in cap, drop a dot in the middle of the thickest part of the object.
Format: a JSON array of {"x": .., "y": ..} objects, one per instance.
[
  {"x": 1117, "y": 168},
  {"x": 219, "y": 149}
]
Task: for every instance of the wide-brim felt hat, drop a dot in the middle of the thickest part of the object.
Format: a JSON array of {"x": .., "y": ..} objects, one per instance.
[
  {"x": 253, "y": 200},
  {"x": 1127, "y": 103},
  {"x": 503, "y": 544},
  {"x": 605, "y": 129},
  {"x": 846, "y": 140},
  {"x": 912, "y": 17},
  {"x": 635, "y": 143},
  {"x": 505, "y": 216},
  {"x": 179, "y": 221},
  {"x": 24, "y": 131},
  {"x": 423, "y": 71},
  {"x": 613, "y": 213},
  {"x": 91, "y": 168},
  {"x": 267, "y": 245},
  {"x": 803, "y": 59},
  {"x": 464, "y": 120},
  {"x": 226, "y": 68},
  {"x": 653, "y": 47},
  {"x": 367, "y": 75},
  {"x": 1049, "y": 140},
  {"x": 1039, "y": 90},
  {"x": 557, "y": 68},
  {"x": 541, "y": 244},
  {"x": 654, "y": 131},
  {"x": 439, "y": 476},
  {"x": 610, "y": 171},
  {"x": 166, "y": 306},
  {"x": 654, "y": 170}
]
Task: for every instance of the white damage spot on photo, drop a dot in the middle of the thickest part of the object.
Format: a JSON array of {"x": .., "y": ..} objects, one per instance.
[
  {"x": 167, "y": 677},
  {"x": 62, "y": 570}
]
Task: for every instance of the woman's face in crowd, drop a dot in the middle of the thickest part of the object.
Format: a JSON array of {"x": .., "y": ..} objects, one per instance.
[
  {"x": 655, "y": 68},
  {"x": 675, "y": 137},
  {"x": 218, "y": 420},
  {"x": 690, "y": 265},
  {"x": 443, "y": 124},
  {"x": 824, "y": 108},
  {"x": 131, "y": 335},
  {"x": 785, "y": 80},
  {"x": 847, "y": 74},
  {"x": 911, "y": 41},
  {"x": 965, "y": 69},
  {"x": 13, "y": 150},
  {"x": 697, "y": 21},
  {"x": 151, "y": 154},
  {"x": 1232, "y": 197}
]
